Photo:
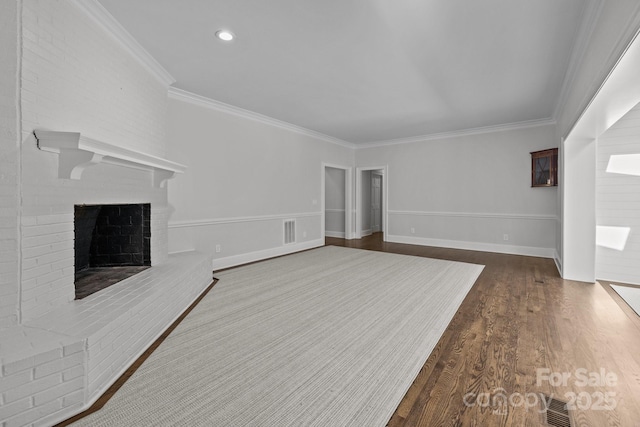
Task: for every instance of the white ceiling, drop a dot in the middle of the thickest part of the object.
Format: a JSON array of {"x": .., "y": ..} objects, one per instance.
[{"x": 367, "y": 70}]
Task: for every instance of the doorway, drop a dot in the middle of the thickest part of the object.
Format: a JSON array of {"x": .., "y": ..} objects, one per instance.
[
  {"x": 337, "y": 206},
  {"x": 371, "y": 200},
  {"x": 376, "y": 202}
]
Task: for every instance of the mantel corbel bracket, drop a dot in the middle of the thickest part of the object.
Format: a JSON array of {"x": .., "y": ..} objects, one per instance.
[
  {"x": 71, "y": 163},
  {"x": 160, "y": 177}
]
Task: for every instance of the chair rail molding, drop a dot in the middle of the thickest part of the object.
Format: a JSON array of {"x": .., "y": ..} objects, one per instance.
[
  {"x": 477, "y": 215},
  {"x": 233, "y": 220}
]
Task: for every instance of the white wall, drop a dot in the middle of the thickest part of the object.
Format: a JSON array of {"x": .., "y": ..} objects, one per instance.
[
  {"x": 468, "y": 191},
  {"x": 9, "y": 164},
  {"x": 244, "y": 177},
  {"x": 618, "y": 201},
  {"x": 335, "y": 198}
]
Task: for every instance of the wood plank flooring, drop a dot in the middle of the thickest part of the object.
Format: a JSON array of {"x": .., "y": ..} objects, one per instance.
[{"x": 521, "y": 317}]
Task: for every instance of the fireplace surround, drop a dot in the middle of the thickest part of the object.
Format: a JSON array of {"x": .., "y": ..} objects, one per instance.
[{"x": 65, "y": 352}]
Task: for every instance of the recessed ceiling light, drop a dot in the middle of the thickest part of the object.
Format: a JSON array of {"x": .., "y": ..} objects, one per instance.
[{"x": 224, "y": 35}]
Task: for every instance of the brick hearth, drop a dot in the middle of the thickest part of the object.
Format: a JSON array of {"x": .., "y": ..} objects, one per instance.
[{"x": 61, "y": 362}]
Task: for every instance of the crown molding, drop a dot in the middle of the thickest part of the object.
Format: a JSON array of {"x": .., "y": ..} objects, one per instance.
[
  {"x": 590, "y": 17},
  {"x": 465, "y": 132},
  {"x": 202, "y": 101},
  {"x": 100, "y": 15},
  {"x": 626, "y": 37}
]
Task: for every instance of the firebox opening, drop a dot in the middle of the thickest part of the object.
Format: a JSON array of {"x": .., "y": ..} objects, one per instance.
[{"x": 112, "y": 242}]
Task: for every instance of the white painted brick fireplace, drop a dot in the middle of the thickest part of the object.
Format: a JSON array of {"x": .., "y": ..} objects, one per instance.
[
  {"x": 99, "y": 104},
  {"x": 63, "y": 353}
]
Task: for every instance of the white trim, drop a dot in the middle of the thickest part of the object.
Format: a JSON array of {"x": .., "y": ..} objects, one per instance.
[
  {"x": 235, "y": 260},
  {"x": 474, "y": 246},
  {"x": 237, "y": 219},
  {"x": 367, "y": 232},
  {"x": 335, "y": 210},
  {"x": 556, "y": 259},
  {"x": 202, "y": 101},
  {"x": 76, "y": 152},
  {"x": 336, "y": 234},
  {"x": 478, "y": 215},
  {"x": 459, "y": 133},
  {"x": 108, "y": 23}
]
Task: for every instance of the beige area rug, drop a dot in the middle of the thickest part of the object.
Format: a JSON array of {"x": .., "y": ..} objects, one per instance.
[{"x": 328, "y": 337}]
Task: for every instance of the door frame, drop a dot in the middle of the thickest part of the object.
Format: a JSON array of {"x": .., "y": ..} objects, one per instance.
[
  {"x": 348, "y": 202},
  {"x": 385, "y": 199}
]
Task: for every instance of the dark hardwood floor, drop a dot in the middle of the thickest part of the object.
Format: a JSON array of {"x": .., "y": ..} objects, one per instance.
[
  {"x": 519, "y": 330},
  {"x": 520, "y": 317}
]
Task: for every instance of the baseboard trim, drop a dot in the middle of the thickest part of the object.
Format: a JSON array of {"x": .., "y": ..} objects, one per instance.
[
  {"x": 235, "y": 260},
  {"x": 558, "y": 261},
  {"x": 337, "y": 234},
  {"x": 365, "y": 233},
  {"x": 474, "y": 246}
]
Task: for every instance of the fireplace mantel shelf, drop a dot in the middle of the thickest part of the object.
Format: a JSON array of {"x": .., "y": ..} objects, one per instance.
[{"x": 77, "y": 152}]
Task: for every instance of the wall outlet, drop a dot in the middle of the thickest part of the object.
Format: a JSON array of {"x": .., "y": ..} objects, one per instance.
[
  {"x": 218, "y": 249},
  {"x": 413, "y": 230},
  {"x": 505, "y": 237},
  {"x": 304, "y": 234}
]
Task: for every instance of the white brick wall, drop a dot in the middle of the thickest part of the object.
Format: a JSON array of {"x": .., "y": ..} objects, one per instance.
[
  {"x": 75, "y": 77},
  {"x": 78, "y": 78},
  {"x": 41, "y": 373},
  {"x": 56, "y": 354},
  {"x": 9, "y": 165}
]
